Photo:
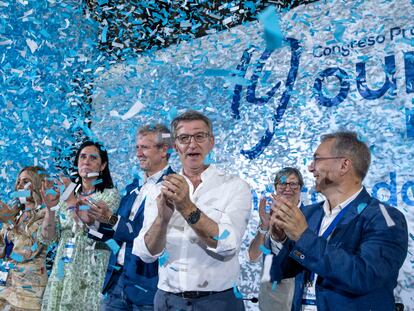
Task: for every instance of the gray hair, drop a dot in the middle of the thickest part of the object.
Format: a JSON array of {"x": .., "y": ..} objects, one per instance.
[
  {"x": 347, "y": 144},
  {"x": 287, "y": 171},
  {"x": 191, "y": 115},
  {"x": 161, "y": 131}
]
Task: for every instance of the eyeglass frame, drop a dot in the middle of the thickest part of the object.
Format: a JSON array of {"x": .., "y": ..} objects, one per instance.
[
  {"x": 316, "y": 159},
  {"x": 190, "y": 136},
  {"x": 284, "y": 185}
]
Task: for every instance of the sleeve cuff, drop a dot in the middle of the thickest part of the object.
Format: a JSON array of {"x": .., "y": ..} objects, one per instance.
[
  {"x": 276, "y": 245},
  {"x": 140, "y": 249}
]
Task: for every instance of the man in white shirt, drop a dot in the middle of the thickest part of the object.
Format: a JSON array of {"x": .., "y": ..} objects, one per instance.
[
  {"x": 197, "y": 231},
  {"x": 130, "y": 283},
  {"x": 345, "y": 252}
]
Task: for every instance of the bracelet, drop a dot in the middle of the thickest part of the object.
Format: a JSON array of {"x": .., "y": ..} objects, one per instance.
[{"x": 262, "y": 231}]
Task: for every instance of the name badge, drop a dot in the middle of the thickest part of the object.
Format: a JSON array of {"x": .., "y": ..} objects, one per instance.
[{"x": 4, "y": 272}]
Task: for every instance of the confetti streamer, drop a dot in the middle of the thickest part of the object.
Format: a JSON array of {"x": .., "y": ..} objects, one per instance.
[
  {"x": 224, "y": 235},
  {"x": 141, "y": 288},
  {"x": 361, "y": 207},
  {"x": 113, "y": 245},
  {"x": 163, "y": 259},
  {"x": 16, "y": 257},
  {"x": 60, "y": 269},
  {"x": 236, "y": 292},
  {"x": 265, "y": 250}
]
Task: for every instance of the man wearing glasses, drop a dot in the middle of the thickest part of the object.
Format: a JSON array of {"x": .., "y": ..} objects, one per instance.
[
  {"x": 346, "y": 251},
  {"x": 197, "y": 232},
  {"x": 275, "y": 295}
]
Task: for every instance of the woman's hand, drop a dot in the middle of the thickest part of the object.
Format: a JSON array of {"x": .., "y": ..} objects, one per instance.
[
  {"x": 50, "y": 193},
  {"x": 264, "y": 217}
]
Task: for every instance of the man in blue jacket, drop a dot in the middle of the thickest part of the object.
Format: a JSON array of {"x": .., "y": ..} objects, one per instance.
[
  {"x": 130, "y": 284},
  {"x": 346, "y": 251}
]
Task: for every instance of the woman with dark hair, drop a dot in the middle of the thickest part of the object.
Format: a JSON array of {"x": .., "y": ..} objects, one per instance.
[
  {"x": 80, "y": 263},
  {"x": 23, "y": 272}
]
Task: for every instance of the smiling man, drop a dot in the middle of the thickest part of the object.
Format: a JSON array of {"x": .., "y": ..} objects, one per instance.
[
  {"x": 130, "y": 283},
  {"x": 198, "y": 229},
  {"x": 346, "y": 251}
]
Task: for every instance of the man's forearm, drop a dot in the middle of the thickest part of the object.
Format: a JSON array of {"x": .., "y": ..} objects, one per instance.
[
  {"x": 205, "y": 227},
  {"x": 155, "y": 238}
]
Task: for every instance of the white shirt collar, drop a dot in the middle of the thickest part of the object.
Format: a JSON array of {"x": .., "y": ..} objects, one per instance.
[
  {"x": 210, "y": 170},
  {"x": 155, "y": 177},
  {"x": 340, "y": 206}
]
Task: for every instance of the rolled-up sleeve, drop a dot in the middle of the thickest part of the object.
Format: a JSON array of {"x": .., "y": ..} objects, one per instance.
[
  {"x": 139, "y": 247},
  {"x": 235, "y": 213}
]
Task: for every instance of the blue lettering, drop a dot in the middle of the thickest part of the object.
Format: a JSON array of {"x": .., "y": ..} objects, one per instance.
[
  {"x": 409, "y": 71},
  {"x": 391, "y": 187},
  {"x": 343, "y": 78},
  {"x": 280, "y": 110},
  {"x": 404, "y": 192},
  {"x": 361, "y": 80}
]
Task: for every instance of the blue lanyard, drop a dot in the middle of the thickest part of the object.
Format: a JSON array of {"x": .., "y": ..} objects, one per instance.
[{"x": 329, "y": 230}]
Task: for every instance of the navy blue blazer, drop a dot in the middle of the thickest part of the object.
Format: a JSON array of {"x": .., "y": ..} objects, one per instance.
[
  {"x": 358, "y": 266},
  {"x": 141, "y": 277}
]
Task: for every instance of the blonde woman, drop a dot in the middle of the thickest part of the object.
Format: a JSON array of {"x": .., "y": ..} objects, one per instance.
[{"x": 23, "y": 275}]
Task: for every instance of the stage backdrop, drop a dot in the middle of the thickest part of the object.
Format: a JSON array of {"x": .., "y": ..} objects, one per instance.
[{"x": 344, "y": 65}]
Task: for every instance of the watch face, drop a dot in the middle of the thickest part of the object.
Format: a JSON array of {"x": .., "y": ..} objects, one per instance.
[
  {"x": 112, "y": 220},
  {"x": 194, "y": 217}
]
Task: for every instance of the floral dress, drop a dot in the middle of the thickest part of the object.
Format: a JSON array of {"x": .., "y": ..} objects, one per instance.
[
  {"x": 27, "y": 277},
  {"x": 76, "y": 280}
]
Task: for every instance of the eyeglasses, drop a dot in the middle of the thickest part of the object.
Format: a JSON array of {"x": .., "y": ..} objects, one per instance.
[
  {"x": 292, "y": 185},
  {"x": 316, "y": 159},
  {"x": 198, "y": 137}
]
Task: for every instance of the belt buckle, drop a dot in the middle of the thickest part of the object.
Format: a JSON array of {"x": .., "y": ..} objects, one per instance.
[{"x": 189, "y": 295}]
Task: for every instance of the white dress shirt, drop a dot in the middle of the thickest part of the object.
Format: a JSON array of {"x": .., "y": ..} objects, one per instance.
[
  {"x": 149, "y": 191},
  {"x": 191, "y": 265}
]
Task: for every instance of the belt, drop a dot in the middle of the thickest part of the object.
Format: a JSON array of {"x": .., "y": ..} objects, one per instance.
[{"x": 198, "y": 294}]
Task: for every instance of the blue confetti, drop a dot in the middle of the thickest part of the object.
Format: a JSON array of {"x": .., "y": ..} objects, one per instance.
[
  {"x": 21, "y": 194},
  {"x": 60, "y": 269},
  {"x": 270, "y": 21},
  {"x": 141, "y": 288},
  {"x": 16, "y": 257},
  {"x": 361, "y": 207},
  {"x": 236, "y": 292},
  {"x": 163, "y": 259},
  {"x": 34, "y": 247},
  {"x": 50, "y": 192},
  {"x": 265, "y": 250},
  {"x": 223, "y": 236},
  {"x": 84, "y": 207},
  {"x": 113, "y": 245}
]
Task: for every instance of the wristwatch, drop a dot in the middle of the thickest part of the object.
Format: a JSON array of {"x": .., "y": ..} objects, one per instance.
[
  {"x": 112, "y": 220},
  {"x": 262, "y": 231},
  {"x": 194, "y": 217}
]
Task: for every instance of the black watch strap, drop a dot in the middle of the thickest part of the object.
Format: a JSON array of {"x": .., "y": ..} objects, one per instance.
[{"x": 194, "y": 217}]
